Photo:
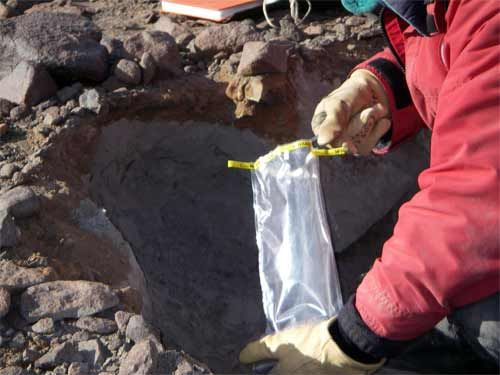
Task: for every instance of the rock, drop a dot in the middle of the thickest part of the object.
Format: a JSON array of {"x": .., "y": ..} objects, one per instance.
[
  {"x": 314, "y": 30},
  {"x": 141, "y": 360},
  {"x": 30, "y": 356},
  {"x": 44, "y": 325},
  {"x": 66, "y": 299},
  {"x": 181, "y": 33},
  {"x": 45, "y": 104},
  {"x": 355, "y": 20},
  {"x": 160, "y": 45},
  {"x": 264, "y": 57},
  {"x": 97, "y": 325},
  {"x": 289, "y": 30},
  {"x": 92, "y": 100},
  {"x": 148, "y": 66},
  {"x": 138, "y": 329},
  {"x": 8, "y": 170},
  {"x": 5, "y": 107},
  {"x": 128, "y": 71},
  {"x": 69, "y": 92},
  {"x": 14, "y": 370},
  {"x": 52, "y": 117},
  {"x": 59, "y": 370},
  {"x": 93, "y": 352},
  {"x": 122, "y": 318},
  {"x": 113, "y": 342},
  {"x": 18, "y": 341},
  {"x": 19, "y": 112},
  {"x": 8, "y": 232},
  {"x": 114, "y": 47},
  {"x": 4, "y": 128},
  {"x": 78, "y": 368},
  {"x": 15, "y": 278},
  {"x": 58, "y": 355},
  {"x": 230, "y": 38},
  {"x": 66, "y": 44},
  {"x": 28, "y": 84},
  {"x": 21, "y": 202},
  {"x": 4, "y": 302},
  {"x": 341, "y": 32},
  {"x": 81, "y": 336}
]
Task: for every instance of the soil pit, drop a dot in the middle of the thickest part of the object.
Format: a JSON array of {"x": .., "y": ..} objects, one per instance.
[{"x": 190, "y": 221}]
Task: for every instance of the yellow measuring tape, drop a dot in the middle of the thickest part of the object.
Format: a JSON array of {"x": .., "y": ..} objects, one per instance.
[{"x": 303, "y": 143}]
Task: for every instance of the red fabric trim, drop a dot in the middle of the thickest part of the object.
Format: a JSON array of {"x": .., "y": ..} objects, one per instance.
[{"x": 392, "y": 26}]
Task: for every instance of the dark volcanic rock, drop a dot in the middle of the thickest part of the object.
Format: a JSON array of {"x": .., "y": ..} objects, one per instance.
[{"x": 67, "y": 45}]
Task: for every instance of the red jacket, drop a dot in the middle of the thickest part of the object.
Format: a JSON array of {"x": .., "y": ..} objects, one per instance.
[{"x": 445, "y": 249}]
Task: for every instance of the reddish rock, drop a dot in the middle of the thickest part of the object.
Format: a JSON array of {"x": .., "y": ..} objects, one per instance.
[
  {"x": 230, "y": 38},
  {"x": 181, "y": 33},
  {"x": 264, "y": 57},
  {"x": 160, "y": 45},
  {"x": 128, "y": 72},
  {"x": 66, "y": 299},
  {"x": 28, "y": 84},
  {"x": 141, "y": 360}
]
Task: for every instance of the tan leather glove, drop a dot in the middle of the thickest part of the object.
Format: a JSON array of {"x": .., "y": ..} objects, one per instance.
[
  {"x": 356, "y": 114},
  {"x": 307, "y": 349}
]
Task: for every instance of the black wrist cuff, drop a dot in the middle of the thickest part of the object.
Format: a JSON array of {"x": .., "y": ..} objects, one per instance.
[
  {"x": 396, "y": 79},
  {"x": 352, "y": 329}
]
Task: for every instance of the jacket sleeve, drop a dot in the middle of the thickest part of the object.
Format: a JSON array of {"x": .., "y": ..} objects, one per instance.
[
  {"x": 444, "y": 252},
  {"x": 405, "y": 119}
]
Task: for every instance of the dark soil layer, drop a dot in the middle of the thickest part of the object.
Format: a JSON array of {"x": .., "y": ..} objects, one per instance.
[{"x": 190, "y": 222}]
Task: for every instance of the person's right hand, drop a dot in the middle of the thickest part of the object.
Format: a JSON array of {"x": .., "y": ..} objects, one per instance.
[{"x": 355, "y": 115}]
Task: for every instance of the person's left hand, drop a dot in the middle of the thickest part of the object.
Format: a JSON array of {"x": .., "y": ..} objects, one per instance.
[{"x": 306, "y": 349}]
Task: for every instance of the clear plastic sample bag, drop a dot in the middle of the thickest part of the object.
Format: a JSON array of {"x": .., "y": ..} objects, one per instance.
[{"x": 298, "y": 274}]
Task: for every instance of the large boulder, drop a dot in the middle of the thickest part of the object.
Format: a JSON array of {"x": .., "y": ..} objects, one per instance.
[
  {"x": 15, "y": 278},
  {"x": 160, "y": 45},
  {"x": 66, "y": 299},
  {"x": 229, "y": 38},
  {"x": 67, "y": 45},
  {"x": 28, "y": 84}
]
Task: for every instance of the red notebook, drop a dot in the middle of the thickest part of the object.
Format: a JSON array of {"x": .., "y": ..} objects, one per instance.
[{"x": 215, "y": 10}]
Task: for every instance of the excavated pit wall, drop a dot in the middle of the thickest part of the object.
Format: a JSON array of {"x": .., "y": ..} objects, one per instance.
[{"x": 189, "y": 220}]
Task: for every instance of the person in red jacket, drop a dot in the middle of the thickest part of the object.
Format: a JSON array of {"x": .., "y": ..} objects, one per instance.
[{"x": 442, "y": 71}]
